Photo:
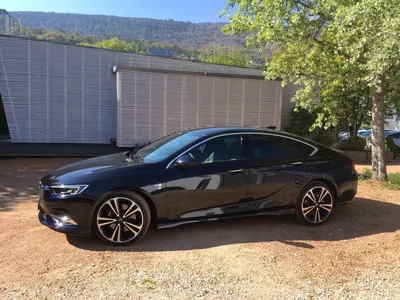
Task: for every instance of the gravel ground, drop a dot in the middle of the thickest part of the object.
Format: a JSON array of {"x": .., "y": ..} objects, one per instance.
[{"x": 355, "y": 255}]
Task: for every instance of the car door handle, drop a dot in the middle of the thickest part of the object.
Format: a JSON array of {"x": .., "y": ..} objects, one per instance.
[
  {"x": 235, "y": 171},
  {"x": 297, "y": 163}
]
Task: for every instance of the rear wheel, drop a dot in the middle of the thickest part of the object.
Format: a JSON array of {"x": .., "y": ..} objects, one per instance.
[
  {"x": 315, "y": 204},
  {"x": 121, "y": 218}
]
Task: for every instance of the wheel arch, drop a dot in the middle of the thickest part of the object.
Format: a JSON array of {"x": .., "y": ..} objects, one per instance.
[
  {"x": 146, "y": 196},
  {"x": 325, "y": 180},
  {"x": 329, "y": 183}
]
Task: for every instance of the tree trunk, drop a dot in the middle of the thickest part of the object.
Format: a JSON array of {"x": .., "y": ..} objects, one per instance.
[
  {"x": 378, "y": 133},
  {"x": 351, "y": 130}
]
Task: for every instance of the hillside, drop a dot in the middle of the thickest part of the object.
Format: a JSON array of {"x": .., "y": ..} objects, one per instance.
[{"x": 175, "y": 32}]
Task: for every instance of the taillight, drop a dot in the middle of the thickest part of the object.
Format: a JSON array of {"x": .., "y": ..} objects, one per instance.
[{"x": 353, "y": 164}]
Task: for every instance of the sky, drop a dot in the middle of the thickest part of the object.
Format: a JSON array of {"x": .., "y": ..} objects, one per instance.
[{"x": 180, "y": 10}]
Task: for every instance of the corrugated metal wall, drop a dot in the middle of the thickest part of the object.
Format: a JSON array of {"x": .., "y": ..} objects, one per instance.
[
  {"x": 151, "y": 105},
  {"x": 57, "y": 93}
]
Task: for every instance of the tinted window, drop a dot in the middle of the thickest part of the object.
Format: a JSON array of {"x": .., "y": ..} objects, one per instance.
[
  {"x": 272, "y": 146},
  {"x": 167, "y": 146},
  {"x": 224, "y": 148}
]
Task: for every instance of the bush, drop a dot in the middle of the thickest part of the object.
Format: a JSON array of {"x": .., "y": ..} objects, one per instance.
[
  {"x": 366, "y": 126},
  {"x": 354, "y": 143},
  {"x": 300, "y": 122},
  {"x": 325, "y": 137},
  {"x": 392, "y": 147}
]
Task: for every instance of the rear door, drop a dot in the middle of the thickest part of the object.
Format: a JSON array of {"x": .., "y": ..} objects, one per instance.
[{"x": 277, "y": 166}]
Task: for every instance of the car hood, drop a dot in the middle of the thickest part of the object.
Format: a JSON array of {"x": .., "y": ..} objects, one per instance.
[{"x": 95, "y": 168}]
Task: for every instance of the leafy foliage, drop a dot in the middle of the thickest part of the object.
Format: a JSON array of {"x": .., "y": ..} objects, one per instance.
[
  {"x": 57, "y": 36},
  {"x": 327, "y": 47},
  {"x": 325, "y": 136},
  {"x": 131, "y": 29},
  {"x": 300, "y": 122},
  {"x": 340, "y": 52},
  {"x": 354, "y": 143},
  {"x": 114, "y": 44},
  {"x": 232, "y": 57}
]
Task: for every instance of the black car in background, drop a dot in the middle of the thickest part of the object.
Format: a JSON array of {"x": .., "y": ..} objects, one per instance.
[{"x": 197, "y": 175}]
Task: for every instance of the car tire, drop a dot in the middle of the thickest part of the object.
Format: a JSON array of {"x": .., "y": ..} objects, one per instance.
[
  {"x": 315, "y": 203},
  {"x": 121, "y": 218}
]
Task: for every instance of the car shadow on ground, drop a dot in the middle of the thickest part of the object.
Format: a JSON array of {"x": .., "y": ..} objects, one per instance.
[{"x": 362, "y": 217}]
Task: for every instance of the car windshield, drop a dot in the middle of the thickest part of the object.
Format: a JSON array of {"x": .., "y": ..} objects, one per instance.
[{"x": 166, "y": 146}]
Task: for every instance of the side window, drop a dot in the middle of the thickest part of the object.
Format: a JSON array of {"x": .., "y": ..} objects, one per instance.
[
  {"x": 396, "y": 136},
  {"x": 264, "y": 146},
  {"x": 224, "y": 148}
]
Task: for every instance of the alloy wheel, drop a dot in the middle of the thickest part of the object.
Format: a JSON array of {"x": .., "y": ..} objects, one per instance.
[
  {"x": 119, "y": 220},
  {"x": 317, "y": 205}
]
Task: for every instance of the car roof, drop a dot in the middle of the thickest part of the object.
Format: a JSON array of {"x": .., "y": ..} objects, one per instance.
[
  {"x": 394, "y": 132},
  {"x": 207, "y": 131},
  {"x": 212, "y": 131}
]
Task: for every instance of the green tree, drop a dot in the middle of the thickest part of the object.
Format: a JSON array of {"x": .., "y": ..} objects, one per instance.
[
  {"x": 114, "y": 44},
  {"x": 325, "y": 45},
  {"x": 225, "y": 56}
]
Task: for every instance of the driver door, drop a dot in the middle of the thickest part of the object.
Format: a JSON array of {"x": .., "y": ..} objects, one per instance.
[{"x": 217, "y": 181}]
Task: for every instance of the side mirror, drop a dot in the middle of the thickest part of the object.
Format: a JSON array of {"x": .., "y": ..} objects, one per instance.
[{"x": 185, "y": 161}]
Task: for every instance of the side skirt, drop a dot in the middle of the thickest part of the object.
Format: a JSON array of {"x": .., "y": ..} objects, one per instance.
[{"x": 287, "y": 211}]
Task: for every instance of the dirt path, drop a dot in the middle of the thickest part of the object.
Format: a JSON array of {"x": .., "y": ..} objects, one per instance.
[
  {"x": 355, "y": 255},
  {"x": 393, "y": 167}
]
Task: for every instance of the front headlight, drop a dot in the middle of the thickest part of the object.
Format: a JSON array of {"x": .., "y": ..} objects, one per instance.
[{"x": 67, "y": 190}]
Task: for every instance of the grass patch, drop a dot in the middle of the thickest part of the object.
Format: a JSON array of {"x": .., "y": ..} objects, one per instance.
[
  {"x": 393, "y": 182},
  {"x": 149, "y": 283},
  {"x": 366, "y": 174}
]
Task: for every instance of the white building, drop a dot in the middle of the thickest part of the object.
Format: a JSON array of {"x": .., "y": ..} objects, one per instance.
[{"x": 58, "y": 93}]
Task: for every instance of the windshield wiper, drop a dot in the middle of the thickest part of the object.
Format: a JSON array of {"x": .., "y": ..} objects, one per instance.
[
  {"x": 139, "y": 157},
  {"x": 132, "y": 155}
]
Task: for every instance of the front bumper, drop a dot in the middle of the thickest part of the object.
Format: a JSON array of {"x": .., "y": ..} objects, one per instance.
[
  {"x": 72, "y": 216},
  {"x": 60, "y": 223}
]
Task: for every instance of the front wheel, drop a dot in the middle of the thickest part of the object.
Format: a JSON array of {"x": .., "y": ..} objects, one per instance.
[
  {"x": 121, "y": 218},
  {"x": 315, "y": 204}
]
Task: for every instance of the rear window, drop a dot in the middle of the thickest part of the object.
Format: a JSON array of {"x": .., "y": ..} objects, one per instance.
[{"x": 275, "y": 147}]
